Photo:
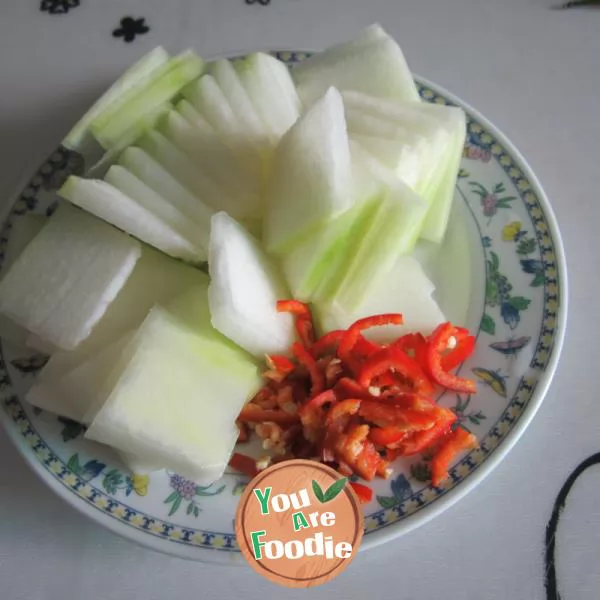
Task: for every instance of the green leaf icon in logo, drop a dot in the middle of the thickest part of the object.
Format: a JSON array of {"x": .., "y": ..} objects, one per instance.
[{"x": 331, "y": 492}]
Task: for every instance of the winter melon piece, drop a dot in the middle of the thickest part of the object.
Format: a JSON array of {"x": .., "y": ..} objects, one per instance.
[
  {"x": 157, "y": 178},
  {"x": 244, "y": 289},
  {"x": 392, "y": 230},
  {"x": 210, "y": 101},
  {"x": 372, "y": 63},
  {"x": 78, "y": 394},
  {"x": 80, "y": 135},
  {"x": 240, "y": 184},
  {"x": 156, "y": 278},
  {"x": 161, "y": 85},
  {"x": 312, "y": 175},
  {"x": 177, "y": 399},
  {"x": 145, "y": 196},
  {"x": 191, "y": 114},
  {"x": 61, "y": 285},
  {"x": 271, "y": 90},
  {"x": 110, "y": 204},
  {"x": 316, "y": 264},
  {"x": 229, "y": 82},
  {"x": 436, "y": 222},
  {"x": 406, "y": 290},
  {"x": 181, "y": 167}
]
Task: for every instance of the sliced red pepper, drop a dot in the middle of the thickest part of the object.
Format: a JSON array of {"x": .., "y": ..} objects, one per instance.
[
  {"x": 327, "y": 343},
  {"x": 438, "y": 344},
  {"x": 310, "y": 413},
  {"x": 407, "y": 419},
  {"x": 251, "y": 413},
  {"x": 415, "y": 345},
  {"x": 304, "y": 321},
  {"x": 384, "y": 436},
  {"x": 463, "y": 349},
  {"x": 295, "y": 307},
  {"x": 349, "y": 445},
  {"x": 317, "y": 401},
  {"x": 244, "y": 464},
  {"x": 455, "y": 442},
  {"x": 316, "y": 376},
  {"x": 395, "y": 359},
  {"x": 345, "y": 407},
  {"x": 364, "y": 492},
  {"x": 280, "y": 363},
  {"x": 365, "y": 347},
  {"x": 420, "y": 441},
  {"x": 349, "y": 388},
  {"x": 367, "y": 462},
  {"x": 353, "y": 334},
  {"x": 305, "y": 331}
]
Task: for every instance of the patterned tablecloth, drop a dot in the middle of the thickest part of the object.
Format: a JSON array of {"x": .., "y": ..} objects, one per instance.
[{"x": 534, "y": 73}]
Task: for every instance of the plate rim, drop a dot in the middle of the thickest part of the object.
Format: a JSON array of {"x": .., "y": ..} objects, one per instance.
[{"x": 441, "y": 504}]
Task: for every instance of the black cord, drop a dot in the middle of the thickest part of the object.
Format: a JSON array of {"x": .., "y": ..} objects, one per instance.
[{"x": 552, "y": 592}]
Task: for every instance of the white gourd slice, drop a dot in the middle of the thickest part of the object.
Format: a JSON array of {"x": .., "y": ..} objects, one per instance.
[
  {"x": 406, "y": 290},
  {"x": 181, "y": 168},
  {"x": 271, "y": 89},
  {"x": 229, "y": 82},
  {"x": 156, "y": 278},
  {"x": 61, "y": 285},
  {"x": 145, "y": 96},
  {"x": 177, "y": 399},
  {"x": 244, "y": 289},
  {"x": 312, "y": 175},
  {"x": 372, "y": 63},
  {"x": 241, "y": 186},
  {"x": 159, "y": 206},
  {"x": 156, "y": 177},
  {"x": 110, "y": 204}
]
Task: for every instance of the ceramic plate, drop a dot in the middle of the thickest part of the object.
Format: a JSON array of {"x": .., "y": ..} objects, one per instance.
[{"x": 511, "y": 262}]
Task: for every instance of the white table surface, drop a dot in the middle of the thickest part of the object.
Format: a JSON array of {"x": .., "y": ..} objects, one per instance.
[{"x": 536, "y": 74}]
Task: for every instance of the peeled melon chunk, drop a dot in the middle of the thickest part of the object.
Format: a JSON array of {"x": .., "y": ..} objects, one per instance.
[
  {"x": 181, "y": 167},
  {"x": 210, "y": 101},
  {"x": 128, "y": 137},
  {"x": 244, "y": 289},
  {"x": 139, "y": 465},
  {"x": 80, "y": 135},
  {"x": 424, "y": 141},
  {"x": 161, "y": 85},
  {"x": 231, "y": 86},
  {"x": 436, "y": 222},
  {"x": 240, "y": 185},
  {"x": 312, "y": 175},
  {"x": 65, "y": 279},
  {"x": 405, "y": 289},
  {"x": 372, "y": 63},
  {"x": 155, "y": 279},
  {"x": 145, "y": 196},
  {"x": 191, "y": 114},
  {"x": 391, "y": 230},
  {"x": 314, "y": 266},
  {"x": 157, "y": 178},
  {"x": 177, "y": 399},
  {"x": 272, "y": 92},
  {"x": 110, "y": 204},
  {"x": 78, "y": 394}
]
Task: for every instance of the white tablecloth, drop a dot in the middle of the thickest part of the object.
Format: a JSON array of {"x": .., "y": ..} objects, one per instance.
[{"x": 535, "y": 73}]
